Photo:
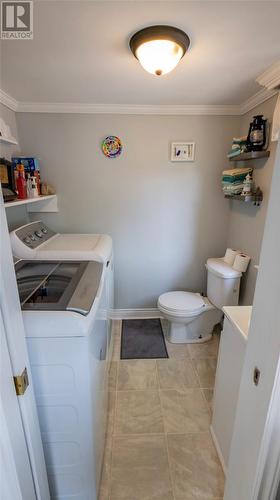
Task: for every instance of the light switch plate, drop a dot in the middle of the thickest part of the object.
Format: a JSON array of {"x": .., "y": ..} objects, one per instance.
[{"x": 182, "y": 151}]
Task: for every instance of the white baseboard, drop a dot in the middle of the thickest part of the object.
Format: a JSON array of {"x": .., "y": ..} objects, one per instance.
[
  {"x": 135, "y": 313},
  {"x": 218, "y": 449}
]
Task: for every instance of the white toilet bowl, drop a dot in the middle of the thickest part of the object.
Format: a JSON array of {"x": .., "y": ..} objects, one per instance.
[{"x": 191, "y": 316}]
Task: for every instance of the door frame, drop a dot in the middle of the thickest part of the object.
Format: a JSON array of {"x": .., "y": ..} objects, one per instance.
[
  {"x": 17, "y": 349},
  {"x": 255, "y": 446}
]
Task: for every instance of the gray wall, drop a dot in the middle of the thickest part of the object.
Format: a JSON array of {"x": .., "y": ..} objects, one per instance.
[
  {"x": 246, "y": 222},
  {"x": 165, "y": 218}
]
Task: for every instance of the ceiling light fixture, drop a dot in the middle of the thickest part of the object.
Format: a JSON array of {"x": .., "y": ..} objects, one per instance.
[{"x": 159, "y": 48}]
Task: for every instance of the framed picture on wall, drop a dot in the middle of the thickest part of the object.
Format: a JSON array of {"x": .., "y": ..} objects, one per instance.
[{"x": 182, "y": 151}]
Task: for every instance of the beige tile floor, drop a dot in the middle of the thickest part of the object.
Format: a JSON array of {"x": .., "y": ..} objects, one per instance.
[{"x": 158, "y": 442}]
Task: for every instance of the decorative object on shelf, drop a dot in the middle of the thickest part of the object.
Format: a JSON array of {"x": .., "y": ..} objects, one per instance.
[
  {"x": 258, "y": 196},
  {"x": 247, "y": 185},
  {"x": 159, "y": 48},
  {"x": 182, "y": 151},
  {"x": 5, "y": 133},
  {"x": 256, "y": 139},
  {"x": 112, "y": 146},
  {"x": 47, "y": 189},
  {"x": 233, "y": 179},
  {"x": 7, "y": 180}
]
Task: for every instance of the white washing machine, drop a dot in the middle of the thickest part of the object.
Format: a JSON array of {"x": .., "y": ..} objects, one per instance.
[
  {"x": 64, "y": 307},
  {"x": 37, "y": 241}
]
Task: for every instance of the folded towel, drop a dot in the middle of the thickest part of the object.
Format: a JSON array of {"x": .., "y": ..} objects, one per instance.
[
  {"x": 234, "y": 152},
  {"x": 235, "y": 183},
  {"x": 236, "y": 180},
  {"x": 233, "y": 190},
  {"x": 240, "y": 143},
  {"x": 239, "y": 139},
  {"x": 237, "y": 171},
  {"x": 232, "y": 186}
]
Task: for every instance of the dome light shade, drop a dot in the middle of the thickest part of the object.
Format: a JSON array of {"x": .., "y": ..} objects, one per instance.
[{"x": 159, "y": 48}]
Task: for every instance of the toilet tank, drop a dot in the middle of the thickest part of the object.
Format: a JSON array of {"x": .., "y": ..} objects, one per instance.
[{"x": 223, "y": 283}]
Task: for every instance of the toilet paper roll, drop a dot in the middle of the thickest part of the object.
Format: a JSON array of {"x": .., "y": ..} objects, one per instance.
[
  {"x": 241, "y": 262},
  {"x": 230, "y": 256}
]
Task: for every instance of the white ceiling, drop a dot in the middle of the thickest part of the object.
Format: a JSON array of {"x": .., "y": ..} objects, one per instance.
[{"x": 80, "y": 52}]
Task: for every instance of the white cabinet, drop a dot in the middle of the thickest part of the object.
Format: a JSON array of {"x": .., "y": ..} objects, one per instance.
[{"x": 228, "y": 376}]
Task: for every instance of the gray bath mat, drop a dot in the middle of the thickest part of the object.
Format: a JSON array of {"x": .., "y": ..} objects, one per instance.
[{"x": 142, "y": 339}]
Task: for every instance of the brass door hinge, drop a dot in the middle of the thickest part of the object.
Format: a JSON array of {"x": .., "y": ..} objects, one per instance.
[{"x": 21, "y": 382}]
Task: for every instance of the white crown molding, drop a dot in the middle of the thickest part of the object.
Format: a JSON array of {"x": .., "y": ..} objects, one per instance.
[
  {"x": 256, "y": 100},
  {"x": 271, "y": 77},
  {"x": 135, "y": 313},
  {"x": 127, "y": 109},
  {"x": 8, "y": 101},
  {"x": 137, "y": 109}
]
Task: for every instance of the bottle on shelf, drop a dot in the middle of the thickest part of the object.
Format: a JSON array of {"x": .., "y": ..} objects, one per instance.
[
  {"x": 38, "y": 181},
  {"x": 34, "y": 187},
  {"x": 28, "y": 186},
  {"x": 21, "y": 183}
]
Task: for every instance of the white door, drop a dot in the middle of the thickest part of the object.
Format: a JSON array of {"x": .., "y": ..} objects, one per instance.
[
  {"x": 16, "y": 474},
  {"x": 17, "y": 351},
  {"x": 250, "y": 447}
]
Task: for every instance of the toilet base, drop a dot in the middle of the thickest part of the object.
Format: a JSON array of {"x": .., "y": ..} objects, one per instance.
[{"x": 196, "y": 331}]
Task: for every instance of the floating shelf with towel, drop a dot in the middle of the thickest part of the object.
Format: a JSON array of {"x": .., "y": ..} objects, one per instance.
[{"x": 256, "y": 197}]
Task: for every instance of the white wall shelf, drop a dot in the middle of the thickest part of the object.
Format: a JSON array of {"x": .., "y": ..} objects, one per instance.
[
  {"x": 7, "y": 140},
  {"x": 39, "y": 204}
]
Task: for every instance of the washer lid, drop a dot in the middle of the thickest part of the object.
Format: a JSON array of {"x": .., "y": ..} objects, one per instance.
[
  {"x": 96, "y": 247},
  {"x": 181, "y": 301}
]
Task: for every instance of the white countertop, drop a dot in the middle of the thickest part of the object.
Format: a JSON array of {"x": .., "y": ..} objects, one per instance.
[{"x": 239, "y": 316}]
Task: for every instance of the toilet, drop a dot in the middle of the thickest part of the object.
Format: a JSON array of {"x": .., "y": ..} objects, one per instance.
[{"x": 192, "y": 316}]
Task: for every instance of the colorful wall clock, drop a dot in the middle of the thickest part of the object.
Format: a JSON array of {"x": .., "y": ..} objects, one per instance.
[{"x": 112, "y": 146}]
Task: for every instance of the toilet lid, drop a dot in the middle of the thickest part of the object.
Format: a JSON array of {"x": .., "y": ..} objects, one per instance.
[{"x": 181, "y": 301}]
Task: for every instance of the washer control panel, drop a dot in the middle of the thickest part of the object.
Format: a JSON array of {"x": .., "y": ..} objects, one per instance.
[{"x": 34, "y": 234}]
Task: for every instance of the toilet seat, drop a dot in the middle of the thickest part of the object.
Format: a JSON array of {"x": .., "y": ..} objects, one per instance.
[{"x": 183, "y": 304}]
